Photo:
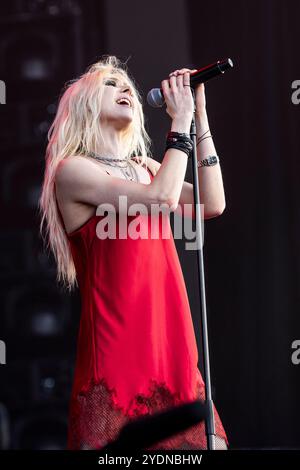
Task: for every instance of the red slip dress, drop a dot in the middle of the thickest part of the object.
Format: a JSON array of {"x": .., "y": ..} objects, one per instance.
[{"x": 136, "y": 347}]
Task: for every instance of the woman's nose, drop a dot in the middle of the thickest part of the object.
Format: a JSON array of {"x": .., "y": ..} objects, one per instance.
[{"x": 127, "y": 88}]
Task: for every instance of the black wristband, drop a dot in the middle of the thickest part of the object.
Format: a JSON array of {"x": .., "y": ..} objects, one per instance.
[
  {"x": 180, "y": 141},
  {"x": 178, "y": 134},
  {"x": 177, "y": 146},
  {"x": 188, "y": 144}
]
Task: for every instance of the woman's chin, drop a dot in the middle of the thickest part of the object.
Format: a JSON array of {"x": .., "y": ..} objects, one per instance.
[{"x": 119, "y": 121}]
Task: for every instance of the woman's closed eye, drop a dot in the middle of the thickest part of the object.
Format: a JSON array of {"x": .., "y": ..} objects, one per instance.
[{"x": 109, "y": 82}]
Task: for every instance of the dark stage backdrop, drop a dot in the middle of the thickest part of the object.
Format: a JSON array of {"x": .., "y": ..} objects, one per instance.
[{"x": 252, "y": 250}]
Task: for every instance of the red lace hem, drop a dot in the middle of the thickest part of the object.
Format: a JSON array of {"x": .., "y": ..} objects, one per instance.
[{"x": 96, "y": 418}]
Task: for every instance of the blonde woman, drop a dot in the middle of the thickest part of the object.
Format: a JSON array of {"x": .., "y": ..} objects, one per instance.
[{"x": 136, "y": 350}]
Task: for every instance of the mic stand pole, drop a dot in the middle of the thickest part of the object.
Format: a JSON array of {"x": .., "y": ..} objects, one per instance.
[{"x": 210, "y": 421}]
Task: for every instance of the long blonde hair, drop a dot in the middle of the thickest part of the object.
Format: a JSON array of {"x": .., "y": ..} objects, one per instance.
[{"x": 76, "y": 130}]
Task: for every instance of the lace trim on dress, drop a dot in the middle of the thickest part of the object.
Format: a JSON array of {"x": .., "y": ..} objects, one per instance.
[{"x": 95, "y": 418}]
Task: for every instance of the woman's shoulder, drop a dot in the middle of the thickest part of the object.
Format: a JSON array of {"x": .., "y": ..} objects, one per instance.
[{"x": 74, "y": 163}]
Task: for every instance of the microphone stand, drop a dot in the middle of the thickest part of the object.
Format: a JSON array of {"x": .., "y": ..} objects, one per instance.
[{"x": 209, "y": 421}]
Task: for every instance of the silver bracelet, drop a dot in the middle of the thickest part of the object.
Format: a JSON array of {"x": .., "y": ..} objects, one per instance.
[{"x": 211, "y": 160}]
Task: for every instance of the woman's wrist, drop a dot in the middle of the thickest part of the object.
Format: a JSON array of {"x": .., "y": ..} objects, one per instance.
[
  {"x": 181, "y": 125},
  {"x": 201, "y": 115}
]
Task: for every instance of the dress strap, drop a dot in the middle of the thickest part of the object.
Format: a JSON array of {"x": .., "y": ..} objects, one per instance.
[{"x": 151, "y": 175}]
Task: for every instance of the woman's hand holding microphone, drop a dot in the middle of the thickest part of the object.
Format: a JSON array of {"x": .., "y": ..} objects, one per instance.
[
  {"x": 179, "y": 101},
  {"x": 180, "y": 107}
]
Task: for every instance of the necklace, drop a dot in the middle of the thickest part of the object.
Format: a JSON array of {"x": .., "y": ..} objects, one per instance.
[{"x": 128, "y": 169}]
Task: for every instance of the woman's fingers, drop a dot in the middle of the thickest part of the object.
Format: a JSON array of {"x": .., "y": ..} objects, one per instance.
[
  {"x": 176, "y": 82},
  {"x": 173, "y": 83},
  {"x": 186, "y": 79},
  {"x": 165, "y": 85},
  {"x": 179, "y": 79},
  {"x": 182, "y": 71},
  {"x": 178, "y": 96}
]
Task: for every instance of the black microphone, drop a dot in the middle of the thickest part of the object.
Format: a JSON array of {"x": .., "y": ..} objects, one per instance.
[{"x": 155, "y": 96}]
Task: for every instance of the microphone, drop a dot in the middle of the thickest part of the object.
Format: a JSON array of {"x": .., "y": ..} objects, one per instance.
[{"x": 155, "y": 96}]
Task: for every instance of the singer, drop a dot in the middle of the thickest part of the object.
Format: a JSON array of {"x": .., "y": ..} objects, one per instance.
[{"x": 136, "y": 347}]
